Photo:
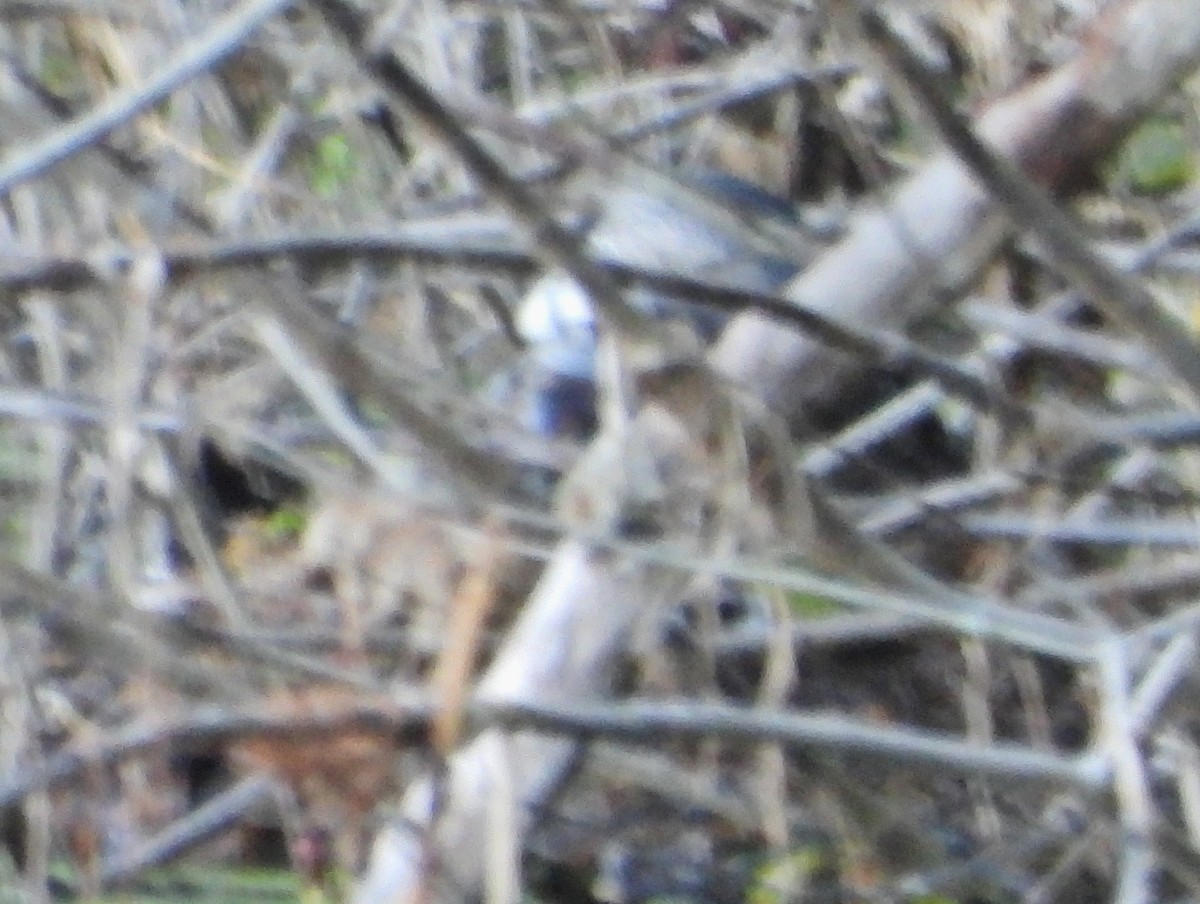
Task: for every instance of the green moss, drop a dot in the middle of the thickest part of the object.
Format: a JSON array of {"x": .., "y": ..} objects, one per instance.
[{"x": 782, "y": 878}]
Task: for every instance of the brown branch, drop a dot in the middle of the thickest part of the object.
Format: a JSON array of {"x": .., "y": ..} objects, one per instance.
[
  {"x": 905, "y": 259},
  {"x": 1121, "y": 296},
  {"x": 639, "y": 722},
  {"x": 188, "y": 259}
]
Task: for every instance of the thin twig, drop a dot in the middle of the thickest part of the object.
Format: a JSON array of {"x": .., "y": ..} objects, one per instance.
[
  {"x": 629, "y": 721},
  {"x": 559, "y": 245},
  {"x": 213, "y": 818},
  {"x": 890, "y": 351},
  {"x": 221, "y": 41},
  {"x": 1130, "y": 779}
]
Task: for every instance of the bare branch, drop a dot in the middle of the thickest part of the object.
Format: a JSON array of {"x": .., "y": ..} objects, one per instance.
[
  {"x": 222, "y": 40},
  {"x": 1123, "y": 298},
  {"x": 936, "y": 230}
]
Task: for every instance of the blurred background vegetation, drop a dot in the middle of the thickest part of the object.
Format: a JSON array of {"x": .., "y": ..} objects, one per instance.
[{"x": 261, "y": 423}]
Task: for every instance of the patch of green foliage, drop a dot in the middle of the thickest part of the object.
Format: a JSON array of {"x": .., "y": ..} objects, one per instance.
[
  {"x": 59, "y": 72},
  {"x": 332, "y": 165},
  {"x": 781, "y": 879},
  {"x": 209, "y": 884},
  {"x": 1156, "y": 159},
  {"x": 810, "y": 606},
  {"x": 286, "y": 523}
]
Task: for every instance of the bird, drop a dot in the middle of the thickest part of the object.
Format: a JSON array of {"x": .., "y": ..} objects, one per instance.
[{"x": 707, "y": 225}]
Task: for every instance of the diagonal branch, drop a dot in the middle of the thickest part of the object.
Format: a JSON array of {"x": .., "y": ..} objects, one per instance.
[
  {"x": 904, "y": 259},
  {"x": 897, "y": 262},
  {"x": 1118, "y": 294},
  {"x": 222, "y": 40}
]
